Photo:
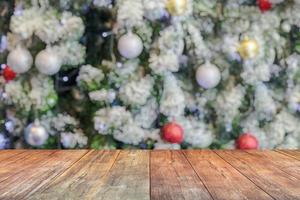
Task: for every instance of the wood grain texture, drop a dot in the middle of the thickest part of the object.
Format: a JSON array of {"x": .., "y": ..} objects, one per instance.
[
  {"x": 128, "y": 179},
  {"x": 34, "y": 170},
  {"x": 8, "y": 154},
  {"x": 144, "y": 175},
  {"x": 20, "y": 162},
  {"x": 292, "y": 153},
  {"x": 266, "y": 175},
  {"x": 283, "y": 162},
  {"x": 172, "y": 177},
  {"x": 221, "y": 179},
  {"x": 79, "y": 180}
]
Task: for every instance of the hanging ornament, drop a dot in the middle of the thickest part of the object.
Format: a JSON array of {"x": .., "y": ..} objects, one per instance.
[
  {"x": 8, "y": 73},
  {"x": 247, "y": 141},
  {"x": 264, "y": 5},
  {"x": 35, "y": 134},
  {"x": 68, "y": 140},
  {"x": 48, "y": 62},
  {"x": 4, "y": 141},
  {"x": 208, "y": 75},
  {"x": 9, "y": 126},
  {"x": 248, "y": 48},
  {"x": 130, "y": 45},
  {"x": 20, "y": 60},
  {"x": 176, "y": 7},
  {"x": 286, "y": 26},
  {"x": 172, "y": 132}
]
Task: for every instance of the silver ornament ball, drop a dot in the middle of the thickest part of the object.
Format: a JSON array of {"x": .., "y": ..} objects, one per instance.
[
  {"x": 48, "y": 62},
  {"x": 130, "y": 45},
  {"x": 68, "y": 140},
  {"x": 20, "y": 60},
  {"x": 35, "y": 134},
  {"x": 286, "y": 27},
  {"x": 4, "y": 141},
  {"x": 208, "y": 76}
]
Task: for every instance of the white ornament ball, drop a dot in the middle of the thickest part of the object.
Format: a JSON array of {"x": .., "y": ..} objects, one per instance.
[
  {"x": 20, "y": 60},
  {"x": 208, "y": 76},
  {"x": 68, "y": 140},
  {"x": 35, "y": 134},
  {"x": 130, "y": 45},
  {"x": 286, "y": 27},
  {"x": 48, "y": 62}
]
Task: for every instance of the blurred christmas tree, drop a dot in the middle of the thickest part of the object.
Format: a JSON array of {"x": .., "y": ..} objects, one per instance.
[{"x": 150, "y": 74}]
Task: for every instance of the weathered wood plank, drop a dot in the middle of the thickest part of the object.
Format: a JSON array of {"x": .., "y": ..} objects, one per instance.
[
  {"x": 36, "y": 171},
  {"x": 292, "y": 153},
  {"x": 271, "y": 179},
  {"x": 8, "y": 154},
  {"x": 221, "y": 179},
  {"x": 11, "y": 157},
  {"x": 79, "y": 180},
  {"x": 20, "y": 162},
  {"x": 285, "y": 163},
  {"x": 128, "y": 178},
  {"x": 172, "y": 177},
  {"x": 125, "y": 175}
]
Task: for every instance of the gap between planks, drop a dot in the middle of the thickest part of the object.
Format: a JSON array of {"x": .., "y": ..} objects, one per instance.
[
  {"x": 172, "y": 177},
  {"x": 37, "y": 168},
  {"x": 265, "y": 173},
  {"x": 282, "y": 162},
  {"x": 5, "y": 154},
  {"x": 215, "y": 151},
  {"x": 219, "y": 176},
  {"x": 59, "y": 174},
  {"x": 235, "y": 160},
  {"x": 16, "y": 158},
  {"x": 197, "y": 174},
  {"x": 111, "y": 181},
  {"x": 290, "y": 154}
]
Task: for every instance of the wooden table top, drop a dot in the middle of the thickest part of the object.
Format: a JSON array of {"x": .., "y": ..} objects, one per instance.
[{"x": 139, "y": 174}]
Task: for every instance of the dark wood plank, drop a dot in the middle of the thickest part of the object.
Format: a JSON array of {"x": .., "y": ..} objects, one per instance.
[
  {"x": 221, "y": 179},
  {"x": 172, "y": 177},
  {"x": 36, "y": 170},
  {"x": 283, "y": 162},
  {"x": 292, "y": 153},
  {"x": 128, "y": 178},
  {"x": 78, "y": 181},
  {"x": 270, "y": 178}
]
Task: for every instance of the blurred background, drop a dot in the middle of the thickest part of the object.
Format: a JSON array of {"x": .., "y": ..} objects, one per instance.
[{"x": 150, "y": 74}]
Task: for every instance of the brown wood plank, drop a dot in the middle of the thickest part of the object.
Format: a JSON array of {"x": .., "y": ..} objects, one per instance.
[
  {"x": 8, "y": 154},
  {"x": 24, "y": 157},
  {"x": 35, "y": 171},
  {"x": 128, "y": 179},
  {"x": 105, "y": 175},
  {"x": 172, "y": 177},
  {"x": 221, "y": 179},
  {"x": 77, "y": 182},
  {"x": 292, "y": 153},
  {"x": 271, "y": 179},
  {"x": 11, "y": 166},
  {"x": 283, "y": 162}
]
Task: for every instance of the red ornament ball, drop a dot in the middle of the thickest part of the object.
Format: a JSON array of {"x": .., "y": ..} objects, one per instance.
[
  {"x": 247, "y": 141},
  {"x": 8, "y": 73},
  {"x": 172, "y": 132},
  {"x": 264, "y": 5}
]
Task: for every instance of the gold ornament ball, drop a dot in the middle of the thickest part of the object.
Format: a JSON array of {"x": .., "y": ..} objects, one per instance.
[
  {"x": 248, "y": 48},
  {"x": 176, "y": 7}
]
